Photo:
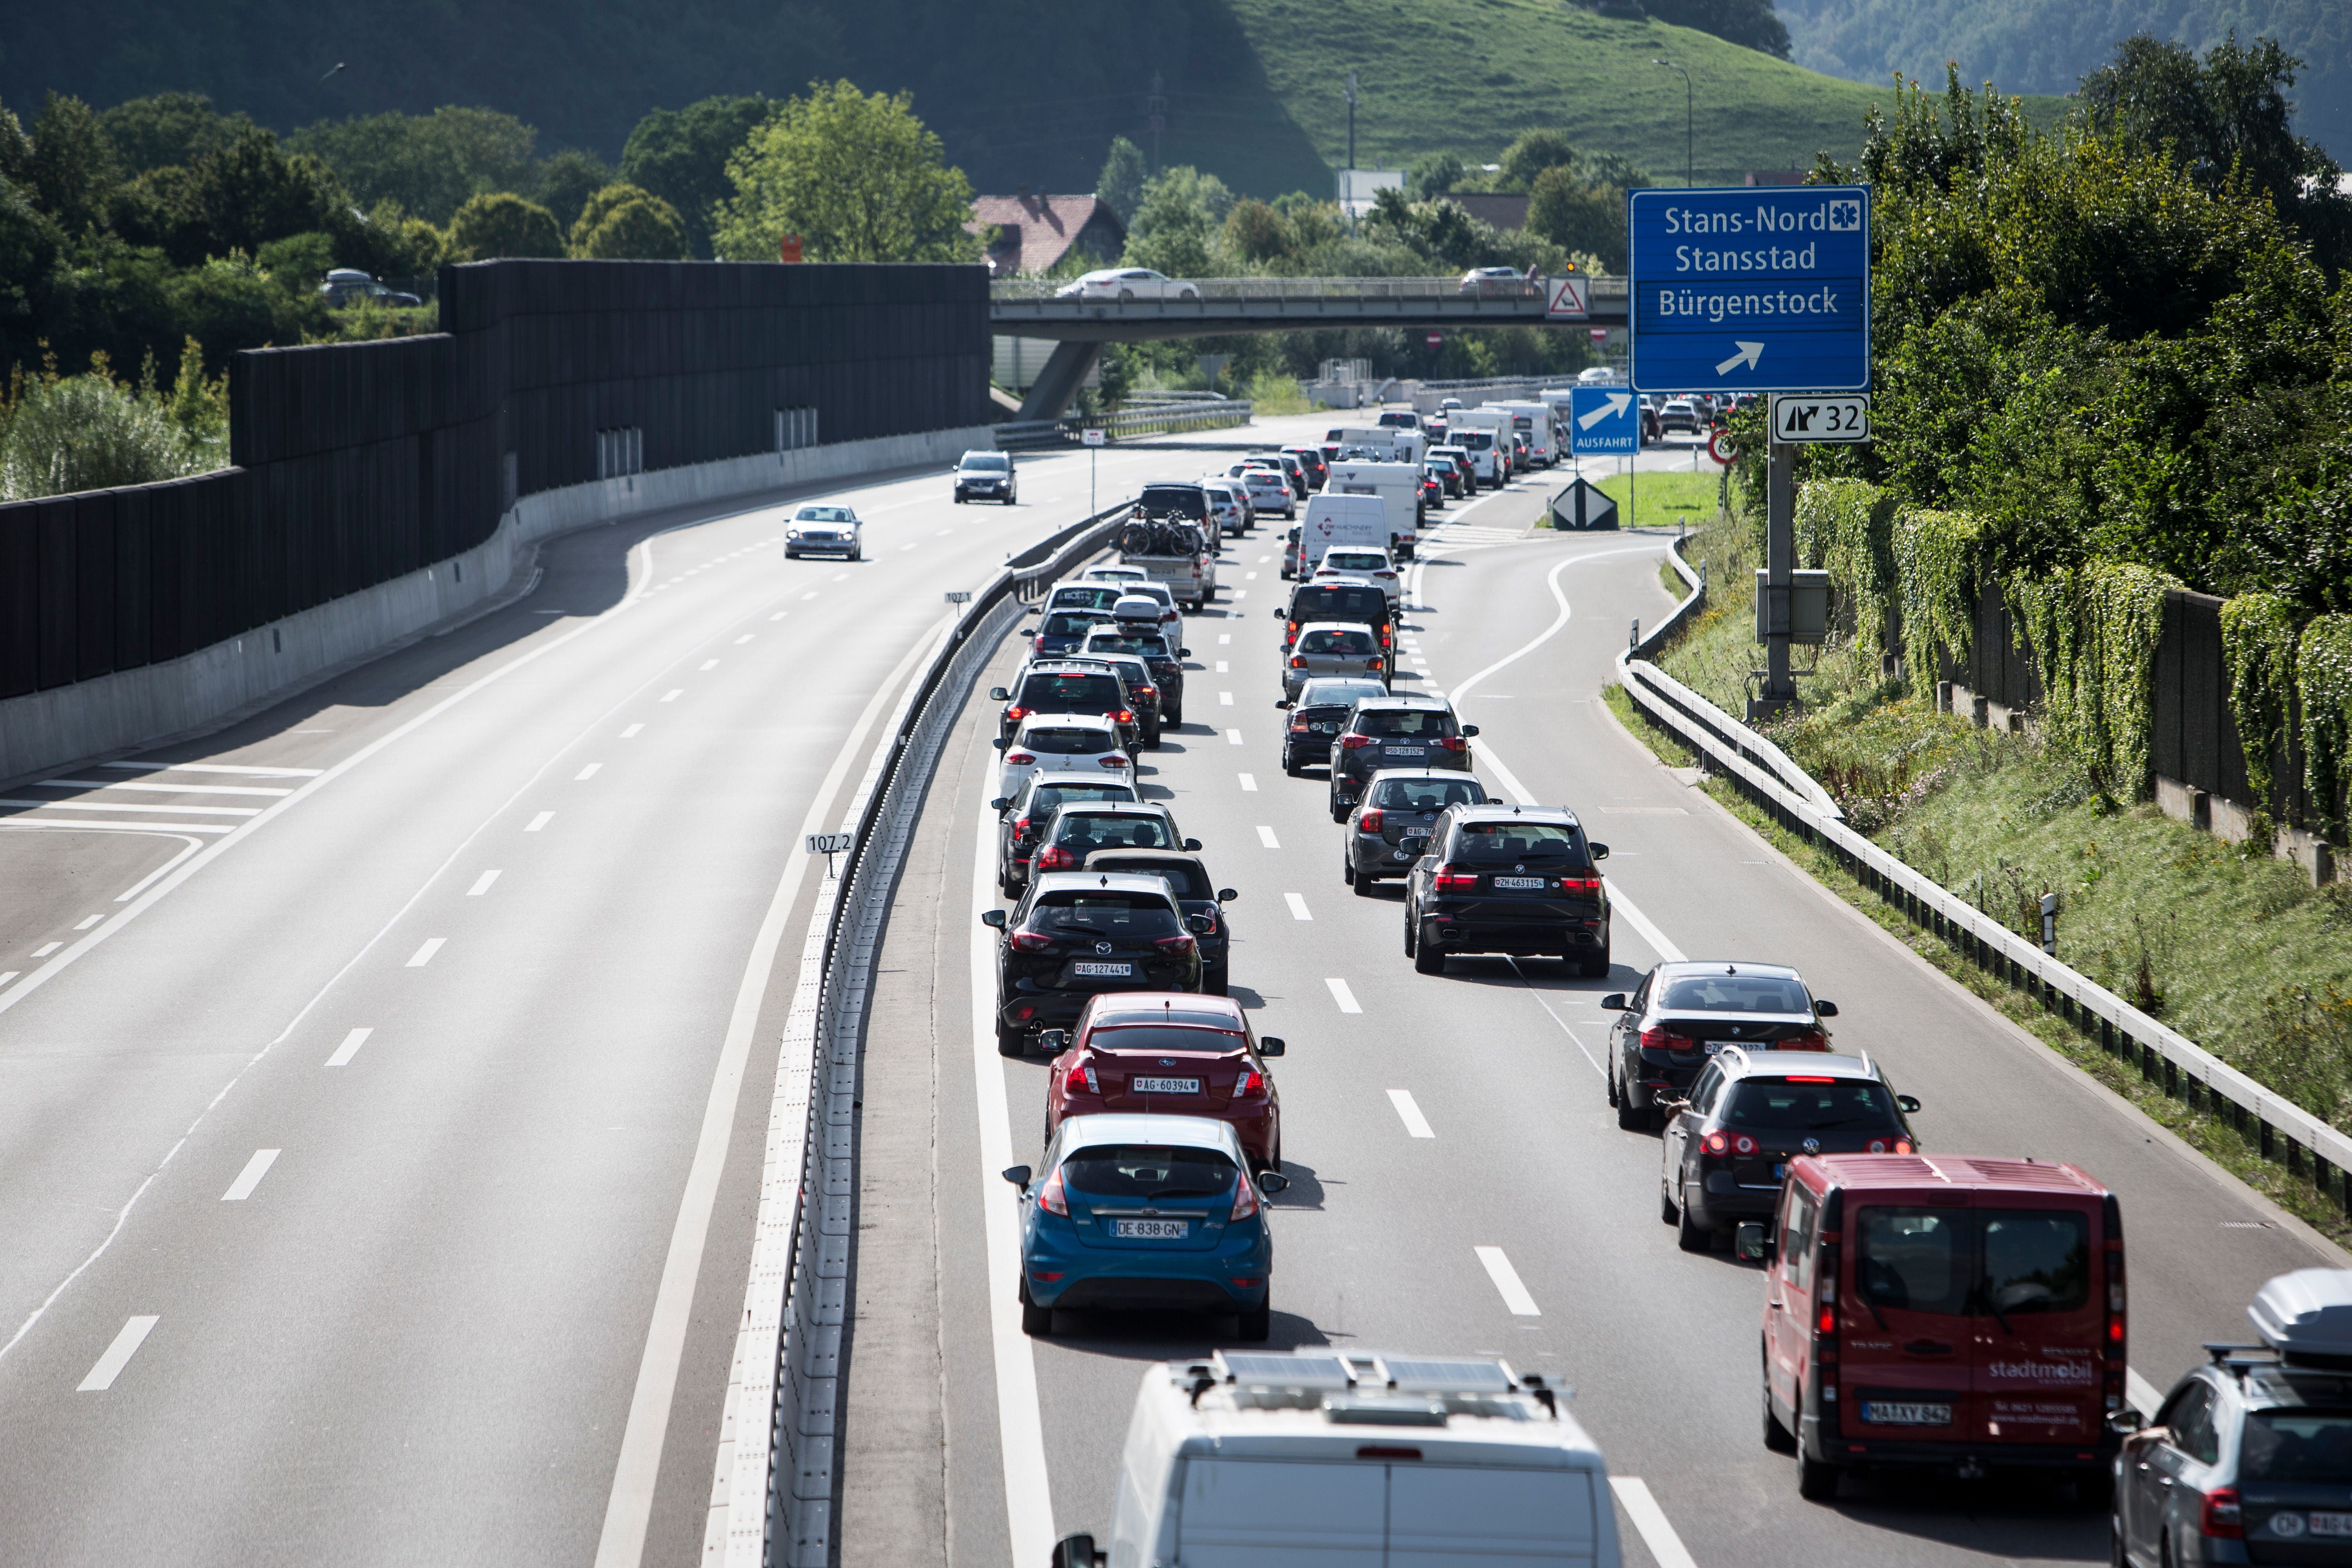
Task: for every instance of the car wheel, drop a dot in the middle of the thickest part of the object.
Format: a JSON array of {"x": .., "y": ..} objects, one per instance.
[
  {"x": 1191, "y": 294},
  {"x": 1347, "y": 867},
  {"x": 958, "y": 497},
  {"x": 1597, "y": 966},
  {"x": 1817, "y": 1480},
  {"x": 1690, "y": 1235},
  {"x": 1410, "y": 925},
  {"x": 1127, "y": 296},
  {"x": 1667, "y": 1213},
  {"x": 1011, "y": 1042},
  {"x": 1367, "y": 886},
  {"x": 1630, "y": 1116},
  {"x": 1215, "y": 985},
  {"x": 858, "y": 554},
  {"x": 1428, "y": 958},
  {"x": 1035, "y": 1321},
  {"x": 1290, "y": 766},
  {"x": 1256, "y": 1326},
  {"x": 1777, "y": 1437}
]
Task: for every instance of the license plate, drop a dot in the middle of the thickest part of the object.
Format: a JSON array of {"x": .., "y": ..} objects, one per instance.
[
  {"x": 1165, "y": 1085},
  {"x": 1883, "y": 1413},
  {"x": 1780, "y": 1172},
  {"x": 1326, "y": 729},
  {"x": 1521, "y": 882},
  {"x": 1406, "y": 751},
  {"x": 2331, "y": 1523},
  {"x": 1414, "y": 833},
  {"x": 1103, "y": 971},
  {"x": 1150, "y": 1229}
]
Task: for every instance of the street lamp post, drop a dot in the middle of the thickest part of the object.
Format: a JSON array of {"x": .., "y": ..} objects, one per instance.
[{"x": 1689, "y": 113}]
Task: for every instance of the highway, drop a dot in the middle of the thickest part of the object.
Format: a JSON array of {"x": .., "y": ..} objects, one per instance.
[
  {"x": 384, "y": 1079},
  {"x": 1457, "y": 1183}
]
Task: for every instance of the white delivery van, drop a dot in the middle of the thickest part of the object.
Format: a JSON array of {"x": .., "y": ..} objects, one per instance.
[
  {"x": 1338, "y": 519},
  {"x": 1398, "y": 486},
  {"x": 1346, "y": 1458},
  {"x": 1485, "y": 433},
  {"x": 1533, "y": 420},
  {"x": 1402, "y": 445}
]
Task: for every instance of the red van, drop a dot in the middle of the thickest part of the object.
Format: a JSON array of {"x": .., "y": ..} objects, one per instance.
[{"x": 1942, "y": 1310}]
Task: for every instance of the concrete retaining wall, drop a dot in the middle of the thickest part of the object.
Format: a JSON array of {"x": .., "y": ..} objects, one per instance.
[{"x": 131, "y": 707}]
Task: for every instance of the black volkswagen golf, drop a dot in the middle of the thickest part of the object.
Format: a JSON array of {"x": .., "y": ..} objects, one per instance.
[
  {"x": 1075, "y": 933},
  {"x": 1508, "y": 878}
]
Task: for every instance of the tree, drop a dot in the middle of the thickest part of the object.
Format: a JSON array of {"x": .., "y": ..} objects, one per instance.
[
  {"x": 74, "y": 169},
  {"x": 1528, "y": 157},
  {"x": 858, "y": 178},
  {"x": 429, "y": 163},
  {"x": 251, "y": 192},
  {"x": 624, "y": 221},
  {"x": 1182, "y": 213},
  {"x": 566, "y": 181},
  {"x": 1254, "y": 232},
  {"x": 681, "y": 156},
  {"x": 500, "y": 222},
  {"x": 1749, "y": 23},
  {"x": 1577, "y": 217},
  {"x": 168, "y": 129},
  {"x": 1120, "y": 183},
  {"x": 1433, "y": 176}
]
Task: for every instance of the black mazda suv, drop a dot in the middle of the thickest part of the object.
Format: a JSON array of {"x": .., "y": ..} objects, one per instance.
[
  {"x": 1508, "y": 878},
  {"x": 1076, "y": 933},
  {"x": 1201, "y": 901}
]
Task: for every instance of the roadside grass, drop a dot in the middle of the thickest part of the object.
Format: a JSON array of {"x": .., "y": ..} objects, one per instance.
[
  {"x": 1663, "y": 500},
  {"x": 2238, "y": 952}
]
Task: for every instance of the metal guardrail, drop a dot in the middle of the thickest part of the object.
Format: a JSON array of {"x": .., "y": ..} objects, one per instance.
[
  {"x": 1169, "y": 419},
  {"x": 2278, "y": 1127},
  {"x": 1010, "y": 289},
  {"x": 780, "y": 1466}
]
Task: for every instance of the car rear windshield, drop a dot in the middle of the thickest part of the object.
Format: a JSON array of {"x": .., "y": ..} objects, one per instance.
[
  {"x": 1048, "y": 796},
  {"x": 1066, "y": 741},
  {"x": 1846, "y": 1104},
  {"x": 1109, "y": 911},
  {"x": 1172, "y": 501},
  {"x": 1087, "y": 598},
  {"x": 1426, "y": 794},
  {"x": 1478, "y": 440},
  {"x": 1338, "y": 642},
  {"x": 1088, "y": 831},
  {"x": 1138, "y": 1170},
  {"x": 1958, "y": 1261},
  {"x": 1155, "y": 1037},
  {"x": 1185, "y": 879},
  {"x": 1547, "y": 843},
  {"x": 2296, "y": 1447},
  {"x": 1351, "y": 560},
  {"x": 1405, "y": 724},
  {"x": 1070, "y": 693},
  {"x": 987, "y": 462},
  {"x": 1074, "y": 624},
  {"x": 1735, "y": 993},
  {"x": 1143, "y": 648},
  {"x": 1335, "y": 603}
]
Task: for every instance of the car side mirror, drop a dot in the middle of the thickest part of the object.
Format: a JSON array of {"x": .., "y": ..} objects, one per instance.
[
  {"x": 1202, "y": 924},
  {"x": 1054, "y": 1042},
  {"x": 1272, "y": 1046},
  {"x": 1613, "y": 1003},
  {"x": 998, "y": 694},
  {"x": 1600, "y": 851},
  {"x": 1280, "y": 614},
  {"x": 1000, "y": 803},
  {"x": 1282, "y": 702},
  {"x": 1078, "y": 1552},
  {"x": 1752, "y": 1243},
  {"x": 1825, "y": 1009},
  {"x": 1906, "y": 1104},
  {"x": 1271, "y": 1181},
  {"x": 1017, "y": 1174},
  {"x": 1226, "y": 895},
  {"x": 1191, "y": 844},
  {"x": 2127, "y": 1420},
  {"x": 992, "y": 918},
  {"x": 1183, "y": 653},
  {"x": 998, "y": 743},
  {"x": 1469, "y": 731}
]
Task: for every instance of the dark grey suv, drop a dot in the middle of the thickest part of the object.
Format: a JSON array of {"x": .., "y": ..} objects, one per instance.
[
  {"x": 1388, "y": 831},
  {"x": 1395, "y": 732},
  {"x": 1517, "y": 879}
]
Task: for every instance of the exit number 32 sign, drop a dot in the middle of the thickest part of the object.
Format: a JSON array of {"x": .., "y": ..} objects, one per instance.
[{"x": 1796, "y": 418}]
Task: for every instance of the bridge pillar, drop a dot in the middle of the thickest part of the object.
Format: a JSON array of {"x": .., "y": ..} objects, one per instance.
[{"x": 1057, "y": 383}]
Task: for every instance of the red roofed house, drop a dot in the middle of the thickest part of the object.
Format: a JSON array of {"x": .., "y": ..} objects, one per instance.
[{"x": 1033, "y": 233}]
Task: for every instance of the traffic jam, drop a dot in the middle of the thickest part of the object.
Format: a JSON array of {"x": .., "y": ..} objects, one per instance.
[{"x": 1921, "y": 1312}]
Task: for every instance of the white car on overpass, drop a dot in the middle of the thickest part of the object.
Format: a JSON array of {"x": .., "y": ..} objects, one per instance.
[{"x": 1124, "y": 283}]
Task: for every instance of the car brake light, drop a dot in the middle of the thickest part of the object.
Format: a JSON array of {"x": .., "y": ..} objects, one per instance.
[
  {"x": 1743, "y": 1145},
  {"x": 1019, "y": 759},
  {"x": 1715, "y": 1143},
  {"x": 1249, "y": 1080},
  {"x": 1451, "y": 880},
  {"x": 1244, "y": 1198},
  {"x": 1125, "y": 716},
  {"x": 1031, "y": 941},
  {"x": 1452, "y": 743},
  {"x": 1179, "y": 942},
  {"x": 1299, "y": 723},
  {"x": 1037, "y": 644},
  {"x": 1114, "y": 761},
  {"x": 1298, "y": 663},
  {"x": 1051, "y": 1198},
  {"x": 1384, "y": 636},
  {"x": 1054, "y": 858},
  {"x": 1828, "y": 1322},
  {"x": 1014, "y": 715},
  {"x": 2218, "y": 1516},
  {"x": 1579, "y": 884},
  {"x": 1656, "y": 1038},
  {"x": 1371, "y": 821},
  {"x": 1810, "y": 1040},
  {"x": 1354, "y": 742},
  {"x": 1794, "y": 1077}
]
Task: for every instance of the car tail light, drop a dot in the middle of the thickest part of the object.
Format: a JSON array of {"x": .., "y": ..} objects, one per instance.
[
  {"x": 1299, "y": 663},
  {"x": 1054, "y": 858},
  {"x": 1450, "y": 879},
  {"x": 1019, "y": 759},
  {"x": 1290, "y": 630},
  {"x": 2115, "y": 1345},
  {"x": 1579, "y": 884},
  {"x": 1180, "y": 943},
  {"x": 1389, "y": 575},
  {"x": 1656, "y": 1038},
  {"x": 1810, "y": 1040},
  {"x": 1019, "y": 828},
  {"x": 1797, "y": 1077},
  {"x": 1050, "y": 1198},
  {"x": 1384, "y": 638},
  {"x": 1094, "y": 1084},
  {"x": 1245, "y": 1197},
  {"x": 1249, "y": 1080},
  {"x": 1014, "y": 715},
  {"x": 1371, "y": 821},
  {"x": 1743, "y": 1145},
  {"x": 1827, "y": 1323},
  {"x": 1902, "y": 1146},
  {"x": 1031, "y": 941},
  {"x": 1354, "y": 742},
  {"x": 1452, "y": 743},
  {"x": 1299, "y": 723},
  {"x": 1037, "y": 644},
  {"x": 1125, "y": 716},
  {"x": 2218, "y": 1514},
  {"x": 1715, "y": 1143},
  {"x": 1114, "y": 761},
  {"x": 1148, "y": 690}
]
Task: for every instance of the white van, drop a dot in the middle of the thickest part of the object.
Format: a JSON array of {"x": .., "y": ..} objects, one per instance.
[
  {"x": 1353, "y": 1457},
  {"x": 1398, "y": 486},
  {"x": 1338, "y": 520},
  {"x": 1401, "y": 444},
  {"x": 1533, "y": 420},
  {"x": 1486, "y": 433}
]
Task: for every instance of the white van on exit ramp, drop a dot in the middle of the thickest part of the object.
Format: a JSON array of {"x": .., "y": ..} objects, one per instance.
[{"x": 1353, "y": 1457}]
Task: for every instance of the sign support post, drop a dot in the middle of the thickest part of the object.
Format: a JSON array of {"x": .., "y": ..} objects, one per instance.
[{"x": 1779, "y": 567}]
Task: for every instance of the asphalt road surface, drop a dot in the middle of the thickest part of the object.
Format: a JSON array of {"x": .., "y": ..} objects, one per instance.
[
  {"x": 1458, "y": 1185},
  {"x": 373, "y": 1128}
]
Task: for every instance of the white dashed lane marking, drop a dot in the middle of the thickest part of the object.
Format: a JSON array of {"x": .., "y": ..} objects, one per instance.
[
  {"x": 1415, "y": 1121},
  {"x": 1507, "y": 1280},
  {"x": 1343, "y": 996},
  {"x": 118, "y": 1354}
]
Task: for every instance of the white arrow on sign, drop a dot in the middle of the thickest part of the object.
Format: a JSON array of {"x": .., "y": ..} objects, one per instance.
[
  {"x": 1618, "y": 403},
  {"x": 1749, "y": 354}
]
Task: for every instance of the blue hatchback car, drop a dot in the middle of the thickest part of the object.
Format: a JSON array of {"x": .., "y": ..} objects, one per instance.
[{"x": 1145, "y": 1213}]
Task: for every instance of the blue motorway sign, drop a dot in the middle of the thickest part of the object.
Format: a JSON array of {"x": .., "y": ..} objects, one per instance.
[
  {"x": 1756, "y": 288},
  {"x": 1603, "y": 422}
]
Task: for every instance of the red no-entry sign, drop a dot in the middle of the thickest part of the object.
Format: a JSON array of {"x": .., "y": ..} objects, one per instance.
[{"x": 1435, "y": 339}]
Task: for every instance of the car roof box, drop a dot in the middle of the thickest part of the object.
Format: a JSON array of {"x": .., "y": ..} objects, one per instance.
[{"x": 2306, "y": 1316}]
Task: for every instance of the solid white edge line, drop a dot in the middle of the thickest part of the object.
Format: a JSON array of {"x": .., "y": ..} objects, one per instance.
[
  {"x": 1021, "y": 1429},
  {"x": 1416, "y": 1123},
  {"x": 118, "y": 1354},
  {"x": 1508, "y": 1282},
  {"x": 1650, "y": 1519},
  {"x": 250, "y": 1177},
  {"x": 628, "y": 1512}
]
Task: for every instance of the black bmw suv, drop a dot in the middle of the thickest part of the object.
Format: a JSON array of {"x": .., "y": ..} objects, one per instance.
[
  {"x": 1196, "y": 895},
  {"x": 1519, "y": 879},
  {"x": 1417, "y": 733},
  {"x": 1076, "y": 933},
  {"x": 1687, "y": 1010}
]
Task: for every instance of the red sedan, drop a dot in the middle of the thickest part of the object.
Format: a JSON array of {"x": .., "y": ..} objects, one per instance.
[{"x": 1175, "y": 1053}]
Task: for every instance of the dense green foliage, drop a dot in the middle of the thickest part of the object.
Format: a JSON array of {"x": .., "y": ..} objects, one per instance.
[
  {"x": 63, "y": 434},
  {"x": 625, "y": 222},
  {"x": 855, "y": 174},
  {"x": 681, "y": 156}
]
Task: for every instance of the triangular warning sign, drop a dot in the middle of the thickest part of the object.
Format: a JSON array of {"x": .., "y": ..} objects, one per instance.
[{"x": 1564, "y": 299}]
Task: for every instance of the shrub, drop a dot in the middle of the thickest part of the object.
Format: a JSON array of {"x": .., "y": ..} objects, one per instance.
[
  {"x": 66, "y": 434},
  {"x": 499, "y": 222}
]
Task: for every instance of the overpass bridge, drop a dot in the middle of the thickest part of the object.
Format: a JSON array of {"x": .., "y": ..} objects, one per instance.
[{"x": 1222, "y": 307}]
